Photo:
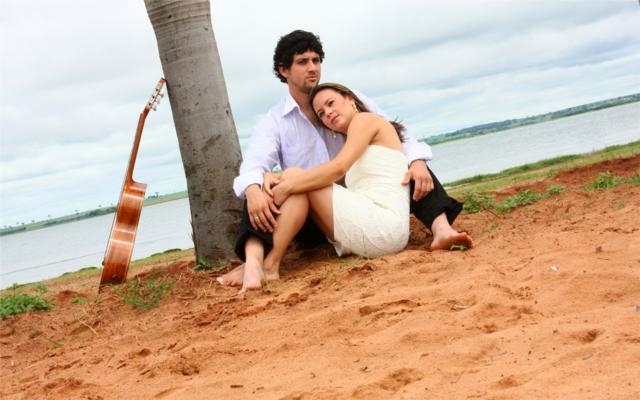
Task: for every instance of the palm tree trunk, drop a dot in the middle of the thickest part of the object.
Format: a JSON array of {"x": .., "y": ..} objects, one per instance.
[{"x": 204, "y": 124}]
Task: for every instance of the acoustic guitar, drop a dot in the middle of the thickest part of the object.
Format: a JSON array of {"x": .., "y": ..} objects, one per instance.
[{"x": 125, "y": 223}]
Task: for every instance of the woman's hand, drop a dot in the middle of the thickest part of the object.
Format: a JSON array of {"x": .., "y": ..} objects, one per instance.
[
  {"x": 270, "y": 180},
  {"x": 280, "y": 193}
]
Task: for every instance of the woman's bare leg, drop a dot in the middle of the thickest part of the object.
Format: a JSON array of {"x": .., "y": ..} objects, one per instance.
[
  {"x": 293, "y": 214},
  {"x": 321, "y": 209},
  {"x": 444, "y": 236}
]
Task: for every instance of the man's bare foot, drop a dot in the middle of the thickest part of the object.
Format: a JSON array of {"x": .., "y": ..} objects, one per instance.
[
  {"x": 233, "y": 277},
  {"x": 253, "y": 275},
  {"x": 452, "y": 241}
]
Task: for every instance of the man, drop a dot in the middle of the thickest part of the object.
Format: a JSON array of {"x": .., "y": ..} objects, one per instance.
[{"x": 290, "y": 136}]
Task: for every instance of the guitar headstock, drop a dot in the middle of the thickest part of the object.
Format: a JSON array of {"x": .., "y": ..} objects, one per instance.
[{"x": 156, "y": 96}]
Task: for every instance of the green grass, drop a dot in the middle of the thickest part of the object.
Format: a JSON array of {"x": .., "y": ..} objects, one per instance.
[
  {"x": 541, "y": 169},
  {"x": 144, "y": 295},
  {"x": 604, "y": 181},
  {"x": 206, "y": 265},
  {"x": 554, "y": 190},
  {"x": 475, "y": 193},
  {"x": 532, "y": 167},
  {"x": 523, "y": 198},
  {"x": 634, "y": 179},
  {"x": 83, "y": 271},
  {"x": 162, "y": 253},
  {"x": 352, "y": 262},
  {"x": 475, "y": 202},
  {"x": 18, "y": 302}
]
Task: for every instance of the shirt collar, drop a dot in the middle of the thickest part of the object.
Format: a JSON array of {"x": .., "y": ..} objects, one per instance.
[{"x": 289, "y": 104}]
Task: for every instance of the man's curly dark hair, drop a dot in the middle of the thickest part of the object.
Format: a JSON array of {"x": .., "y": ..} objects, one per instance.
[{"x": 296, "y": 42}]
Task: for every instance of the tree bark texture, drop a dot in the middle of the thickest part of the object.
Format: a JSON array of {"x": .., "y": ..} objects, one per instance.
[{"x": 208, "y": 141}]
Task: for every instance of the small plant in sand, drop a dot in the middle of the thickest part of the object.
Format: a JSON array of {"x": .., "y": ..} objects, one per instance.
[
  {"x": 475, "y": 202},
  {"x": 553, "y": 190},
  {"x": 206, "y": 265},
  {"x": 272, "y": 287},
  {"x": 527, "y": 197},
  {"x": 490, "y": 228},
  {"x": 18, "y": 302},
  {"x": 56, "y": 344},
  {"x": 78, "y": 299},
  {"x": 604, "y": 181},
  {"x": 634, "y": 179},
  {"x": 520, "y": 199},
  {"x": 41, "y": 288},
  {"x": 618, "y": 205},
  {"x": 144, "y": 295},
  {"x": 352, "y": 262}
]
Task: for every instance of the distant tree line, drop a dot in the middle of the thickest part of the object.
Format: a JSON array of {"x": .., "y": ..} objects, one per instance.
[
  {"x": 79, "y": 215},
  {"x": 514, "y": 123}
]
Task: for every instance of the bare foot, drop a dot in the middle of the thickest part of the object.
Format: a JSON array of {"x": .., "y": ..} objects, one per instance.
[
  {"x": 253, "y": 275},
  {"x": 233, "y": 277},
  {"x": 452, "y": 241},
  {"x": 271, "y": 276},
  {"x": 271, "y": 272}
]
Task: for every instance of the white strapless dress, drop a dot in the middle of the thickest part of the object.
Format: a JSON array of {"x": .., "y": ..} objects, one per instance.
[{"x": 371, "y": 215}]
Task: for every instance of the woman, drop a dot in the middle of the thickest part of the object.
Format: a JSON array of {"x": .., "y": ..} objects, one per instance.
[{"x": 370, "y": 217}]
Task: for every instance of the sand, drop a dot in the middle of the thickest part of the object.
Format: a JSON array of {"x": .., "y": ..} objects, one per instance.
[{"x": 546, "y": 306}]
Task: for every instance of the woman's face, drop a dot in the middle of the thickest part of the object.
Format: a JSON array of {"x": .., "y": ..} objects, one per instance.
[{"x": 335, "y": 110}]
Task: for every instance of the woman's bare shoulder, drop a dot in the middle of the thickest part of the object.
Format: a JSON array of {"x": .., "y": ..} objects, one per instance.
[{"x": 367, "y": 118}]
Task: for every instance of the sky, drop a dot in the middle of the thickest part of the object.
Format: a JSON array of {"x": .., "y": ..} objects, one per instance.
[{"x": 75, "y": 76}]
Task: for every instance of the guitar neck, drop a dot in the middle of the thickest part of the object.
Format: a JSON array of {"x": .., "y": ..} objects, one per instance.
[
  {"x": 151, "y": 105},
  {"x": 136, "y": 145}
]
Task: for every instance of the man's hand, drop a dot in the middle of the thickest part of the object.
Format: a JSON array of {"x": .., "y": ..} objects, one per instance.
[
  {"x": 262, "y": 210},
  {"x": 419, "y": 173}
]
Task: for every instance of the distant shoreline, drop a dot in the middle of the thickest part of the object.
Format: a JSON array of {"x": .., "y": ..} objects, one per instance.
[
  {"x": 432, "y": 140},
  {"x": 149, "y": 201},
  {"x": 492, "y": 127}
]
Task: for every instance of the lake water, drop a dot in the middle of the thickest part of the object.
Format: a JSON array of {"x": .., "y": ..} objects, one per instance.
[
  {"x": 498, "y": 151},
  {"x": 47, "y": 253}
]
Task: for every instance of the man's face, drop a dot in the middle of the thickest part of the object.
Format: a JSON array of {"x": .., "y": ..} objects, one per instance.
[{"x": 304, "y": 73}]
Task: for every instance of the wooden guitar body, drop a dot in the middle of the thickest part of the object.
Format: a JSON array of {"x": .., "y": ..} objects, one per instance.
[
  {"x": 123, "y": 233},
  {"x": 125, "y": 224}
]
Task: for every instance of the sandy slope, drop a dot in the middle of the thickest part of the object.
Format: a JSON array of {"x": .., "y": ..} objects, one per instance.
[{"x": 545, "y": 307}]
